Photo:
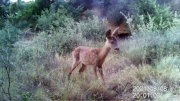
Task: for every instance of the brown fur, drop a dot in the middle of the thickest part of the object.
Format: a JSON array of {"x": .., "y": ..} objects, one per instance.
[{"x": 94, "y": 56}]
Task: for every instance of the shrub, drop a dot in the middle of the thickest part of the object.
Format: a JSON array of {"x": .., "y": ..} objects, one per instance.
[
  {"x": 93, "y": 29},
  {"x": 162, "y": 15},
  {"x": 52, "y": 18},
  {"x": 1, "y": 23},
  {"x": 62, "y": 40},
  {"x": 8, "y": 37},
  {"x": 168, "y": 69},
  {"x": 22, "y": 14},
  {"x": 149, "y": 47},
  {"x": 73, "y": 10}
]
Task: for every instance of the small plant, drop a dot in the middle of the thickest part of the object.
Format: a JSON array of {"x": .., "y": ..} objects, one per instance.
[{"x": 26, "y": 96}]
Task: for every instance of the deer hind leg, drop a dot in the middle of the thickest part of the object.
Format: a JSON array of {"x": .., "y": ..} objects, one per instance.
[
  {"x": 74, "y": 65},
  {"x": 101, "y": 73},
  {"x": 95, "y": 72},
  {"x": 82, "y": 68}
]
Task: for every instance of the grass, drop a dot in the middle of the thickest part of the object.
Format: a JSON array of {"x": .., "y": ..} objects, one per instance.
[
  {"x": 40, "y": 72},
  {"x": 48, "y": 79}
]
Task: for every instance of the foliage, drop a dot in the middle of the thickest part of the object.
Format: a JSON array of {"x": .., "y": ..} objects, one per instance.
[
  {"x": 152, "y": 46},
  {"x": 8, "y": 38},
  {"x": 174, "y": 4},
  {"x": 9, "y": 35},
  {"x": 26, "y": 96},
  {"x": 3, "y": 11},
  {"x": 165, "y": 46},
  {"x": 43, "y": 4},
  {"x": 93, "y": 29},
  {"x": 52, "y": 18},
  {"x": 162, "y": 15},
  {"x": 64, "y": 40},
  {"x": 85, "y": 3},
  {"x": 74, "y": 11},
  {"x": 22, "y": 14},
  {"x": 168, "y": 68},
  {"x": 3, "y": 5}
]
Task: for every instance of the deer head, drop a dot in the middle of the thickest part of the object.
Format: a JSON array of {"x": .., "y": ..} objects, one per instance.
[{"x": 111, "y": 40}]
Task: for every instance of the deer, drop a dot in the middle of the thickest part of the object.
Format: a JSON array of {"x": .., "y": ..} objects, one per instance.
[{"x": 94, "y": 56}]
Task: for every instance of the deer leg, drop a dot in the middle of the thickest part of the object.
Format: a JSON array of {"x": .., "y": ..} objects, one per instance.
[
  {"x": 82, "y": 68},
  {"x": 101, "y": 73},
  {"x": 74, "y": 65},
  {"x": 95, "y": 72}
]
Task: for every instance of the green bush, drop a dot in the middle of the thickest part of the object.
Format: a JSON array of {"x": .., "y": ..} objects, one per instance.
[
  {"x": 74, "y": 10},
  {"x": 63, "y": 40},
  {"x": 151, "y": 46},
  {"x": 93, "y": 29},
  {"x": 8, "y": 37},
  {"x": 34, "y": 61},
  {"x": 161, "y": 14},
  {"x": 175, "y": 4},
  {"x": 163, "y": 45},
  {"x": 52, "y": 18},
  {"x": 23, "y": 15},
  {"x": 168, "y": 69}
]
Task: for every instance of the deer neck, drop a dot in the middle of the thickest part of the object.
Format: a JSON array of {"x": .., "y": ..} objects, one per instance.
[{"x": 104, "y": 52}]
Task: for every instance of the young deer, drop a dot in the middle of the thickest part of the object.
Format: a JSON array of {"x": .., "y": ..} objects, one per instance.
[{"x": 94, "y": 56}]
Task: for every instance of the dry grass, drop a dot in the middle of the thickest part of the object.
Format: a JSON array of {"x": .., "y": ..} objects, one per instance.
[
  {"x": 146, "y": 60},
  {"x": 46, "y": 79}
]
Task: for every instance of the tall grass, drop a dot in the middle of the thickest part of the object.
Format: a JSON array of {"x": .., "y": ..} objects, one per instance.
[{"x": 42, "y": 65}]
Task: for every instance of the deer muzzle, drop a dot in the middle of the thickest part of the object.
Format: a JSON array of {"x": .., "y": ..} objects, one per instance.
[{"x": 116, "y": 48}]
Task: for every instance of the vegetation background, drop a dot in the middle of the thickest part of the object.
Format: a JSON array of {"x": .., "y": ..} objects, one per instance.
[{"x": 37, "y": 37}]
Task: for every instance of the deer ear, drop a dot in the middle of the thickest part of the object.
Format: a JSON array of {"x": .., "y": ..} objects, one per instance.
[
  {"x": 108, "y": 34},
  {"x": 115, "y": 32}
]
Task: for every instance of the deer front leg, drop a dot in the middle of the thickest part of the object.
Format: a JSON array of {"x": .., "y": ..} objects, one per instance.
[{"x": 101, "y": 73}]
